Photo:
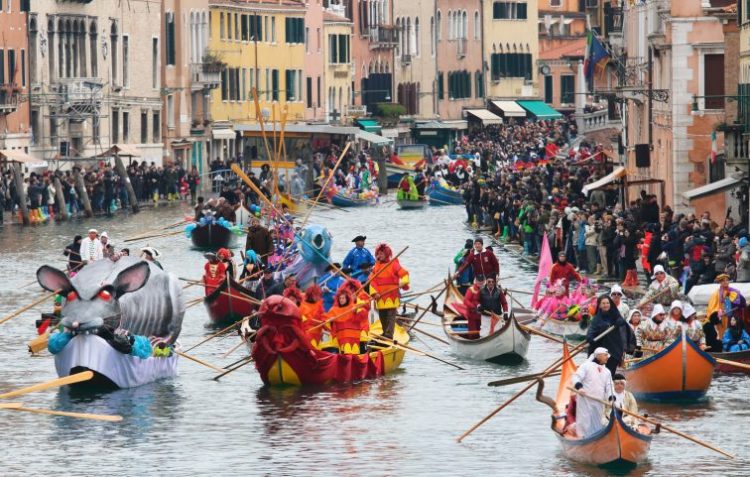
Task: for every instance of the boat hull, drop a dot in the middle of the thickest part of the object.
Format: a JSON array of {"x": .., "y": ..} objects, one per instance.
[
  {"x": 616, "y": 444},
  {"x": 679, "y": 372},
  {"x": 340, "y": 200},
  {"x": 572, "y": 331},
  {"x": 441, "y": 196},
  {"x": 411, "y": 204},
  {"x": 739, "y": 356},
  {"x": 211, "y": 237},
  {"x": 124, "y": 371},
  {"x": 226, "y": 309}
]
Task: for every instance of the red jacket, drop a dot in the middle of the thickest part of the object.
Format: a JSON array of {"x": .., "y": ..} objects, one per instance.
[
  {"x": 471, "y": 302},
  {"x": 483, "y": 263},
  {"x": 565, "y": 272}
]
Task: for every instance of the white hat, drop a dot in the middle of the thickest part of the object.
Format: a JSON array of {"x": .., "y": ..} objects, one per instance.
[
  {"x": 633, "y": 312},
  {"x": 688, "y": 310},
  {"x": 658, "y": 269},
  {"x": 675, "y": 304},
  {"x": 104, "y": 234},
  {"x": 151, "y": 251},
  {"x": 615, "y": 289},
  {"x": 598, "y": 351},
  {"x": 94, "y": 231},
  {"x": 657, "y": 310}
]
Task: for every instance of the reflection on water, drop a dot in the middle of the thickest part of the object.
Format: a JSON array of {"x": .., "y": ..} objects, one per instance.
[{"x": 403, "y": 424}]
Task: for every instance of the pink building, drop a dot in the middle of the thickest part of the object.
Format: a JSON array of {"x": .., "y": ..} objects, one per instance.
[
  {"x": 459, "y": 57},
  {"x": 314, "y": 58},
  {"x": 14, "y": 80}
]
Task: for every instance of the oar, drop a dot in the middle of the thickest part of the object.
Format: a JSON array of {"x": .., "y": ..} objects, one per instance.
[
  {"x": 146, "y": 237},
  {"x": 245, "y": 360},
  {"x": 541, "y": 333},
  {"x": 390, "y": 342},
  {"x": 728, "y": 362},
  {"x": 72, "y": 379},
  {"x": 78, "y": 415},
  {"x": 656, "y": 423},
  {"x": 152, "y": 231},
  {"x": 552, "y": 368},
  {"x": 237, "y": 346},
  {"x": 434, "y": 300},
  {"x": 521, "y": 379},
  {"x": 220, "y": 332},
  {"x": 428, "y": 334},
  {"x": 196, "y": 360},
  {"x": 28, "y": 307}
]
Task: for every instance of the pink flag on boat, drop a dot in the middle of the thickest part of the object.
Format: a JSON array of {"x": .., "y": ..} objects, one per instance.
[{"x": 545, "y": 265}]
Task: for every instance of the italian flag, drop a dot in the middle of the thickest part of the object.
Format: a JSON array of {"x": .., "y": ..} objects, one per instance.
[{"x": 714, "y": 148}]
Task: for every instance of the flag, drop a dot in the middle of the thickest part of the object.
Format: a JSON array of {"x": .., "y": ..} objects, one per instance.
[
  {"x": 714, "y": 148},
  {"x": 596, "y": 58},
  {"x": 545, "y": 265}
]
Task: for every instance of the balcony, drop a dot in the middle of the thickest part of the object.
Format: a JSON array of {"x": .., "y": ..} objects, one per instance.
[
  {"x": 594, "y": 121},
  {"x": 383, "y": 36},
  {"x": 405, "y": 60},
  {"x": 205, "y": 75},
  {"x": 461, "y": 45},
  {"x": 79, "y": 94},
  {"x": 8, "y": 99}
]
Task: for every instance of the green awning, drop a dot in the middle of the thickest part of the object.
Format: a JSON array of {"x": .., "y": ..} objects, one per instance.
[
  {"x": 369, "y": 125},
  {"x": 540, "y": 110}
]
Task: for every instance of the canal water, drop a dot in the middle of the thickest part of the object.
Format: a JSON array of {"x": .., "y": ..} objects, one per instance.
[{"x": 404, "y": 424}]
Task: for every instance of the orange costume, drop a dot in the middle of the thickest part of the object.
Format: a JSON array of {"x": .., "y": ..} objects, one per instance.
[
  {"x": 214, "y": 273},
  {"x": 388, "y": 279},
  {"x": 313, "y": 314},
  {"x": 346, "y": 326}
]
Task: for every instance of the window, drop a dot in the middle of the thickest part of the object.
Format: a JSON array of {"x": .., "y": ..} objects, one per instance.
[
  {"x": 309, "y": 102},
  {"x": 555, "y": 3},
  {"x": 236, "y": 26},
  {"x": 307, "y": 39},
  {"x": 290, "y": 76},
  {"x": 23, "y": 68},
  {"x": 12, "y": 67},
  {"x": 548, "y": 93},
  {"x": 567, "y": 89},
  {"x": 115, "y": 126},
  {"x": 318, "y": 35},
  {"x": 338, "y": 49},
  {"x": 154, "y": 62},
  {"x": 318, "y": 91},
  {"x": 509, "y": 11},
  {"x": 511, "y": 65},
  {"x": 170, "y": 111},
  {"x": 93, "y": 49},
  {"x": 156, "y": 126},
  {"x": 244, "y": 27},
  {"x": 34, "y": 126},
  {"x": 416, "y": 36},
  {"x": 112, "y": 53},
  {"x": 438, "y": 26},
  {"x": 125, "y": 61},
  {"x": 477, "y": 26},
  {"x": 95, "y": 130},
  {"x": 274, "y": 85},
  {"x": 295, "y": 30},
  {"x": 479, "y": 84},
  {"x": 222, "y": 28},
  {"x": 713, "y": 80},
  {"x": 440, "y": 86},
  {"x": 432, "y": 36},
  {"x": 2, "y": 65},
  {"x": 125, "y": 126},
  {"x": 224, "y": 84},
  {"x": 267, "y": 87},
  {"x": 450, "y": 25},
  {"x": 273, "y": 29},
  {"x": 171, "y": 39},
  {"x": 243, "y": 94},
  {"x": 144, "y": 127},
  {"x": 459, "y": 85},
  {"x": 256, "y": 28}
]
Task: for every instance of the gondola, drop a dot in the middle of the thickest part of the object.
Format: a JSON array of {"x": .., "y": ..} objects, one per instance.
[
  {"x": 341, "y": 200},
  {"x": 679, "y": 372},
  {"x": 505, "y": 344},
  {"x": 739, "y": 356},
  {"x": 615, "y": 445},
  {"x": 229, "y": 303},
  {"x": 406, "y": 204},
  {"x": 572, "y": 330},
  {"x": 284, "y": 356},
  {"x": 441, "y": 195},
  {"x": 211, "y": 237}
]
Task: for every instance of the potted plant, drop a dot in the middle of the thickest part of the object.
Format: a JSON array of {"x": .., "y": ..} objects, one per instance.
[{"x": 212, "y": 62}]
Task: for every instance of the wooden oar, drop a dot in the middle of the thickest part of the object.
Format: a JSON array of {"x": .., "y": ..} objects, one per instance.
[
  {"x": 237, "y": 346},
  {"x": 244, "y": 361},
  {"x": 727, "y": 362},
  {"x": 390, "y": 342},
  {"x": 552, "y": 368},
  {"x": 77, "y": 415},
  {"x": 28, "y": 307},
  {"x": 218, "y": 333},
  {"x": 72, "y": 379},
  {"x": 434, "y": 300},
  {"x": 541, "y": 333},
  {"x": 656, "y": 423},
  {"x": 153, "y": 231},
  {"x": 521, "y": 379},
  {"x": 196, "y": 360},
  {"x": 428, "y": 334},
  {"x": 147, "y": 237}
]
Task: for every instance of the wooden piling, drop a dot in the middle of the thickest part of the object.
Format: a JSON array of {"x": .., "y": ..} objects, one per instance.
[
  {"x": 20, "y": 194},
  {"x": 81, "y": 189},
  {"x": 62, "y": 212}
]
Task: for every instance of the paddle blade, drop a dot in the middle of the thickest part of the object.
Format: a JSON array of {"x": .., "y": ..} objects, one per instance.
[
  {"x": 72, "y": 379},
  {"x": 10, "y": 405}
]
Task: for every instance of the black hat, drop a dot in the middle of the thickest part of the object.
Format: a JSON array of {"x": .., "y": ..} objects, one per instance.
[
  {"x": 619, "y": 377},
  {"x": 468, "y": 243},
  {"x": 358, "y": 238}
]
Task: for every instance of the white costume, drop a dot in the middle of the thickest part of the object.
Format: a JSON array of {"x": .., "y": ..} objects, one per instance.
[
  {"x": 597, "y": 383},
  {"x": 91, "y": 250}
]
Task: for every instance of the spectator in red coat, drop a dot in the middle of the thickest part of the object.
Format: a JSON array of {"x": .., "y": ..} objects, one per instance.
[
  {"x": 562, "y": 270},
  {"x": 482, "y": 261}
]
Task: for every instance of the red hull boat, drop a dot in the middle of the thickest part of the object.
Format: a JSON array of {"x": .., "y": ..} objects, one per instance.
[{"x": 229, "y": 303}]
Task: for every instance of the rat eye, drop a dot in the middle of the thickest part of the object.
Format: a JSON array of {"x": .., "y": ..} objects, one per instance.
[
  {"x": 72, "y": 296},
  {"x": 105, "y": 295}
]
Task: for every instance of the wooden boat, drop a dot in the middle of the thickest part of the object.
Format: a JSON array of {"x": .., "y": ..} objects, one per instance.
[
  {"x": 440, "y": 195},
  {"x": 341, "y": 200},
  {"x": 739, "y": 356},
  {"x": 506, "y": 344},
  {"x": 229, "y": 303},
  {"x": 406, "y": 204},
  {"x": 571, "y": 330},
  {"x": 284, "y": 357},
  {"x": 680, "y": 371},
  {"x": 395, "y": 173},
  {"x": 616, "y": 444},
  {"x": 211, "y": 237}
]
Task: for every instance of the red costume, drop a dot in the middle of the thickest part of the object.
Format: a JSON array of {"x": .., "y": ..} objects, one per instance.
[
  {"x": 565, "y": 272},
  {"x": 471, "y": 302},
  {"x": 313, "y": 313},
  {"x": 483, "y": 263},
  {"x": 347, "y": 325},
  {"x": 213, "y": 274},
  {"x": 388, "y": 282}
]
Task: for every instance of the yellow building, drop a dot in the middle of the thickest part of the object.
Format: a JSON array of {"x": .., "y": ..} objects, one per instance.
[
  {"x": 262, "y": 45},
  {"x": 337, "y": 34},
  {"x": 511, "y": 48}
]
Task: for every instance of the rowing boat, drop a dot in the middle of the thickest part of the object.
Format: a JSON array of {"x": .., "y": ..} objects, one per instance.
[
  {"x": 680, "y": 371},
  {"x": 342, "y": 200},
  {"x": 614, "y": 445},
  {"x": 738, "y": 356},
  {"x": 229, "y": 303},
  {"x": 441, "y": 195},
  {"x": 406, "y": 204},
  {"x": 571, "y": 330},
  {"x": 211, "y": 237},
  {"x": 506, "y": 343},
  {"x": 284, "y": 356}
]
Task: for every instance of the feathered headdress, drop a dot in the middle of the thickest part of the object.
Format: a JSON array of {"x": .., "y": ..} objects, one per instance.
[
  {"x": 386, "y": 250},
  {"x": 293, "y": 294},
  {"x": 313, "y": 293}
]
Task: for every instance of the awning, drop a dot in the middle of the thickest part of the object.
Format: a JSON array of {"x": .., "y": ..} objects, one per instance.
[
  {"x": 540, "y": 109},
  {"x": 457, "y": 124},
  {"x": 510, "y": 109},
  {"x": 14, "y": 155},
  {"x": 485, "y": 116},
  {"x": 182, "y": 144},
  {"x": 222, "y": 134},
  {"x": 369, "y": 125},
  {"x": 126, "y": 150},
  {"x": 374, "y": 139},
  {"x": 712, "y": 188},
  {"x": 608, "y": 179}
]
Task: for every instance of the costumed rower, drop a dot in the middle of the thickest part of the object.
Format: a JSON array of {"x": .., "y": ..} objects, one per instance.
[
  {"x": 665, "y": 288},
  {"x": 407, "y": 190},
  {"x": 225, "y": 255},
  {"x": 214, "y": 272},
  {"x": 361, "y": 311},
  {"x": 344, "y": 326},
  {"x": 693, "y": 328},
  {"x": 624, "y": 399},
  {"x": 312, "y": 313},
  {"x": 389, "y": 279},
  {"x": 482, "y": 261},
  {"x": 655, "y": 332},
  {"x": 725, "y": 302},
  {"x": 619, "y": 341},
  {"x": 150, "y": 254},
  {"x": 595, "y": 380},
  {"x": 358, "y": 255},
  {"x": 472, "y": 306},
  {"x": 616, "y": 294},
  {"x": 329, "y": 283},
  {"x": 563, "y": 270}
]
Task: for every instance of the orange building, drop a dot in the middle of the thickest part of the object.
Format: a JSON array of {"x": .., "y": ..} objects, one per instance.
[{"x": 14, "y": 81}]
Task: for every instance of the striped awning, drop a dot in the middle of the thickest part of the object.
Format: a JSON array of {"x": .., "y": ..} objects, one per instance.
[
  {"x": 485, "y": 116},
  {"x": 606, "y": 180},
  {"x": 510, "y": 109}
]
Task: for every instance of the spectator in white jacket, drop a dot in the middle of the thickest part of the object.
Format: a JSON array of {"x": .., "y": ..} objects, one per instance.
[{"x": 91, "y": 247}]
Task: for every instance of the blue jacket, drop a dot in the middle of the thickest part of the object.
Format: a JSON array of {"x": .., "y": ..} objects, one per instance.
[
  {"x": 358, "y": 256},
  {"x": 333, "y": 285},
  {"x": 730, "y": 344}
]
